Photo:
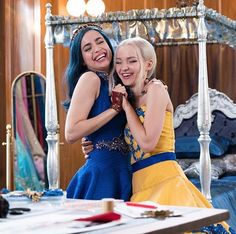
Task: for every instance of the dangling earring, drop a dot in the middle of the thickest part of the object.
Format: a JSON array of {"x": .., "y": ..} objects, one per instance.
[{"x": 146, "y": 81}]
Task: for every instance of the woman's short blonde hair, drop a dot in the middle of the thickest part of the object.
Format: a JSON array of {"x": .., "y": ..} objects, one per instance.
[{"x": 146, "y": 50}]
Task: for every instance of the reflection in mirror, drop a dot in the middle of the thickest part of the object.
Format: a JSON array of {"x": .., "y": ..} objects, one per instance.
[{"x": 30, "y": 146}]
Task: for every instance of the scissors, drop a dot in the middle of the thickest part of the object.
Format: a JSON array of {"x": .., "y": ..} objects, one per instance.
[{"x": 18, "y": 210}]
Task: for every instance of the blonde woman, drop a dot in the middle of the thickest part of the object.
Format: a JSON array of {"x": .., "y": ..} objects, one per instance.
[{"x": 150, "y": 133}]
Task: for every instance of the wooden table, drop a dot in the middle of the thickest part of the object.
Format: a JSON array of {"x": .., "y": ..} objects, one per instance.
[
  {"x": 57, "y": 217},
  {"x": 192, "y": 219}
]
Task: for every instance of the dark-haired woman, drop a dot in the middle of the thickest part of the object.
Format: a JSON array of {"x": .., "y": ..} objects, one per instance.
[{"x": 91, "y": 114}]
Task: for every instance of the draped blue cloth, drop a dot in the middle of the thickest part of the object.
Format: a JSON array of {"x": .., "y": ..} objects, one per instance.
[
  {"x": 25, "y": 172},
  {"x": 223, "y": 193}
]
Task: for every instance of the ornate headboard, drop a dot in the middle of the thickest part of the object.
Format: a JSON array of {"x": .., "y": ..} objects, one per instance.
[
  {"x": 218, "y": 102},
  {"x": 174, "y": 26},
  {"x": 223, "y": 126}
]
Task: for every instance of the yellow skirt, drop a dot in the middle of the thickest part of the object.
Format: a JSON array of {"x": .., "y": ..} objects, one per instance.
[{"x": 166, "y": 184}]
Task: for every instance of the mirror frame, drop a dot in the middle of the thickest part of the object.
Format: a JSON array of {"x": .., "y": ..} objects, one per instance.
[{"x": 13, "y": 141}]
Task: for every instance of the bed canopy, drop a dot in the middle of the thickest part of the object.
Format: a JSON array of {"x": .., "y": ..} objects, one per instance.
[
  {"x": 166, "y": 27},
  {"x": 172, "y": 26}
]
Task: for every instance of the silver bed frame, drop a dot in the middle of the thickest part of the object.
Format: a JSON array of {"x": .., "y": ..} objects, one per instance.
[{"x": 57, "y": 28}]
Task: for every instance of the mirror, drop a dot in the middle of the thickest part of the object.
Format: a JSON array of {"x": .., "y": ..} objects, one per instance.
[{"x": 29, "y": 132}]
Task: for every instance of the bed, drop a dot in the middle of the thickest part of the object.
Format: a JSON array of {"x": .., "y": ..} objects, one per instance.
[
  {"x": 222, "y": 147},
  {"x": 167, "y": 27}
]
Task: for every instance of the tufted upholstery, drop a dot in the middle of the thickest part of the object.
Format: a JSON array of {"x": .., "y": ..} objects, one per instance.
[{"x": 223, "y": 134}]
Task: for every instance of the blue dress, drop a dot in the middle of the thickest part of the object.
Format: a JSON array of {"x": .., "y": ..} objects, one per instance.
[{"x": 107, "y": 171}]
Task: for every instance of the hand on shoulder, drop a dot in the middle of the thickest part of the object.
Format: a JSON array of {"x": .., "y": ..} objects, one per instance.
[
  {"x": 156, "y": 90},
  {"x": 155, "y": 82}
]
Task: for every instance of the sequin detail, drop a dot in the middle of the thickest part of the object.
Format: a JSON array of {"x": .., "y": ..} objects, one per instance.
[
  {"x": 117, "y": 143},
  {"x": 103, "y": 75}
]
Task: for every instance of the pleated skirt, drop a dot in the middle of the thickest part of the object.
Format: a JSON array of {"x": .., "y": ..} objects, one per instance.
[{"x": 106, "y": 174}]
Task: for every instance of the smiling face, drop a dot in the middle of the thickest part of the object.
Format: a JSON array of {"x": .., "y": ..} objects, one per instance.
[
  {"x": 127, "y": 64},
  {"x": 95, "y": 51}
]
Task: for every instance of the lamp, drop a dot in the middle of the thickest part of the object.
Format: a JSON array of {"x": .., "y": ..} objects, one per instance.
[
  {"x": 76, "y": 7},
  {"x": 93, "y": 7}
]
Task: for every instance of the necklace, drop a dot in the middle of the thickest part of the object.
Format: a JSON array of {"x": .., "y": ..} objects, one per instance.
[
  {"x": 143, "y": 92},
  {"x": 104, "y": 75}
]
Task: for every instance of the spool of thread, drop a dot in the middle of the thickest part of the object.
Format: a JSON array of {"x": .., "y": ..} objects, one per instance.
[{"x": 108, "y": 205}]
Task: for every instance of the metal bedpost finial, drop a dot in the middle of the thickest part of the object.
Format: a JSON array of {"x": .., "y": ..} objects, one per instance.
[
  {"x": 201, "y": 7},
  {"x": 48, "y": 11},
  {"x": 48, "y": 6},
  {"x": 202, "y": 30},
  {"x": 8, "y": 127}
]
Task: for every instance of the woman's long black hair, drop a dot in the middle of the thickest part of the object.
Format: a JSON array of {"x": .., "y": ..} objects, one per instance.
[{"x": 76, "y": 66}]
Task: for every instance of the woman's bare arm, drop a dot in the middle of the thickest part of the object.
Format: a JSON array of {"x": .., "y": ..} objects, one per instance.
[
  {"x": 77, "y": 123},
  {"x": 148, "y": 133}
]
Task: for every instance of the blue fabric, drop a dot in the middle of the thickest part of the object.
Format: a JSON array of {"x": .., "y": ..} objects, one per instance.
[
  {"x": 229, "y": 178},
  {"x": 188, "y": 146},
  {"x": 26, "y": 176},
  {"x": 53, "y": 192},
  {"x": 216, "y": 229},
  {"x": 106, "y": 173},
  {"x": 223, "y": 193},
  {"x": 40, "y": 86},
  {"x": 152, "y": 160}
]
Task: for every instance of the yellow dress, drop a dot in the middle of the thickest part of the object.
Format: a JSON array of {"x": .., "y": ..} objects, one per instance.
[{"x": 157, "y": 176}]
